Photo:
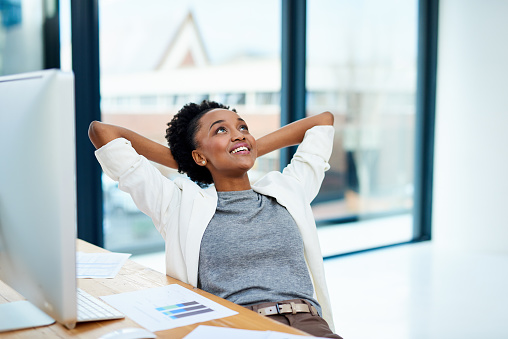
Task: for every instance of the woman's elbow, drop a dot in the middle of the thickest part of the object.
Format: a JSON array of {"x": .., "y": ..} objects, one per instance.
[
  {"x": 327, "y": 118},
  {"x": 94, "y": 132}
]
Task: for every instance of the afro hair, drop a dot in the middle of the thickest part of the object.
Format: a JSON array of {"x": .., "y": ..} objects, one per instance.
[{"x": 180, "y": 135}]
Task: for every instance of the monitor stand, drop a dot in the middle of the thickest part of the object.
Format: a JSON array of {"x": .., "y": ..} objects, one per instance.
[{"x": 17, "y": 315}]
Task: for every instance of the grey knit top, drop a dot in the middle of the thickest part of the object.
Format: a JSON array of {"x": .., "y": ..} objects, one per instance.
[{"x": 252, "y": 252}]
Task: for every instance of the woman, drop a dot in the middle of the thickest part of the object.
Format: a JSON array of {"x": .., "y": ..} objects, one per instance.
[{"x": 254, "y": 245}]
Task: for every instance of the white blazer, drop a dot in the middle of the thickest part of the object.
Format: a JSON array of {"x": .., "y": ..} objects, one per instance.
[{"x": 181, "y": 210}]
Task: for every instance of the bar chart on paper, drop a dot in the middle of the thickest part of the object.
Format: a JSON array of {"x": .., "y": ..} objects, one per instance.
[
  {"x": 183, "y": 310},
  {"x": 167, "y": 307}
]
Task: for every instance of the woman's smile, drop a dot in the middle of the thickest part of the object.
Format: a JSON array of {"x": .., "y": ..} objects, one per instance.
[{"x": 240, "y": 148}]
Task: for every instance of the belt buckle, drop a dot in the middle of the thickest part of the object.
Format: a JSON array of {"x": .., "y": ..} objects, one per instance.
[{"x": 278, "y": 307}]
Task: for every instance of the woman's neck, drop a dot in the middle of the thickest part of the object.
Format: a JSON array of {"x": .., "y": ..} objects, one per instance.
[{"x": 228, "y": 184}]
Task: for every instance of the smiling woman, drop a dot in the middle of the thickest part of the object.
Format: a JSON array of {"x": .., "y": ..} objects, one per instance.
[{"x": 230, "y": 220}]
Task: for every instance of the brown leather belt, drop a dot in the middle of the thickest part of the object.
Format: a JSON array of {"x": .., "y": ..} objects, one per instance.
[{"x": 285, "y": 308}]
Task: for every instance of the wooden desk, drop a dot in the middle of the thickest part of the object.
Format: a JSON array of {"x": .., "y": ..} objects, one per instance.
[{"x": 133, "y": 277}]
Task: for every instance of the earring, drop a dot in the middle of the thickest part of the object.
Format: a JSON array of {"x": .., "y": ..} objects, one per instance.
[{"x": 203, "y": 162}]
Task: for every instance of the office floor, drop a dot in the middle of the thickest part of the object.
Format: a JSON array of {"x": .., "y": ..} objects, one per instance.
[{"x": 413, "y": 292}]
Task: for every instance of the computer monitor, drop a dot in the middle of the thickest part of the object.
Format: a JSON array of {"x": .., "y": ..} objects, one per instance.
[{"x": 38, "y": 192}]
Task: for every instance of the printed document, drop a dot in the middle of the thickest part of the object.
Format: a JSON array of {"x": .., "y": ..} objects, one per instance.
[
  {"x": 162, "y": 308},
  {"x": 99, "y": 265}
]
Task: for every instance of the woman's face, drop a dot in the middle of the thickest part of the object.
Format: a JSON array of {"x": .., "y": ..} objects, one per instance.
[{"x": 224, "y": 144}]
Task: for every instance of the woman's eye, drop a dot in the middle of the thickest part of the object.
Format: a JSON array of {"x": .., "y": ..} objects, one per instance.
[
  {"x": 221, "y": 130},
  {"x": 244, "y": 128}
]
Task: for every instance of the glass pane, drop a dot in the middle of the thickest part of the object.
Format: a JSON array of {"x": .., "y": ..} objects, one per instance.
[
  {"x": 21, "y": 36},
  {"x": 158, "y": 55},
  {"x": 361, "y": 65}
]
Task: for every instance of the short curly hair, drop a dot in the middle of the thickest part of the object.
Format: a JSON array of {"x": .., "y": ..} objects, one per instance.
[{"x": 180, "y": 135}]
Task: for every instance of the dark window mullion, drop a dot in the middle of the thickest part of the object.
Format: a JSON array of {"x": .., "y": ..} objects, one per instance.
[
  {"x": 51, "y": 34},
  {"x": 85, "y": 64},
  {"x": 428, "y": 17},
  {"x": 293, "y": 51}
]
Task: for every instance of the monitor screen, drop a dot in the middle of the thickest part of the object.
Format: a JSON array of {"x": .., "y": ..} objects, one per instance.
[{"x": 38, "y": 190}]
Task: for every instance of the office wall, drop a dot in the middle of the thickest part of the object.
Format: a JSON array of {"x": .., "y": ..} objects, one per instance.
[{"x": 470, "y": 205}]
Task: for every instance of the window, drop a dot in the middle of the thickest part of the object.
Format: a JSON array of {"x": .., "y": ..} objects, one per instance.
[
  {"x": 180, "y": 52},
  {"x": 362, "y": 66}
]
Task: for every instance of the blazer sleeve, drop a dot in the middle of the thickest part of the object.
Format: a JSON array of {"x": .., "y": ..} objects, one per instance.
[
  {"x": 310, "y": 162},
  {"x": 154, "y": 194}
]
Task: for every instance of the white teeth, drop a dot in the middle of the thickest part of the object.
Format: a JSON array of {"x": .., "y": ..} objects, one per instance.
[{"x": 242, "y": 148}]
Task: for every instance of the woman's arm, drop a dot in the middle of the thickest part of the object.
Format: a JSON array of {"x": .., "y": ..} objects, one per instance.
[
  {"x": 100, "y": 134},
  {"x": 291, "y": 134}
]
